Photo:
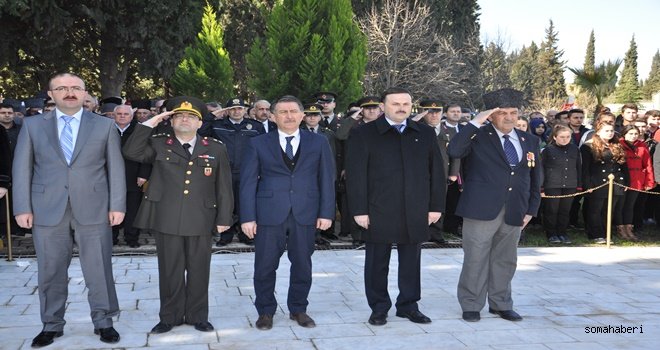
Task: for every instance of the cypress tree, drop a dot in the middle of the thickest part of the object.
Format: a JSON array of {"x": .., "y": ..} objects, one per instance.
[
  {"x": 309, "y": 45},
  {"x": 628, "y": 89},
  {"x": 524, "y": 70},
  {"x": 205, "y": 71},
  {"x": 590, "y": 56},
  {"x": 652, "y": 84}
]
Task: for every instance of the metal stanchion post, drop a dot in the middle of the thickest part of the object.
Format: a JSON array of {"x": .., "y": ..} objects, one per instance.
[
  {"x": 9, "y": 253},
  {"x": 610, "y": 189}
]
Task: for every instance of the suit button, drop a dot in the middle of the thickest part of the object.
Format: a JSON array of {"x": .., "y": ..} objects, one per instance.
[
  {"x": 185, "y": 192},
  {"x": 168, "y": 158},
  {"x": 510, "y": 189},
  {"x": 513, "y": 173},
  {"x": 187, "y": 182},
  {"x": 603, "y": 170},
  {"x": 188, "y": 172},
  {"x": 214, "y": 205},
  {"x": 190, "y": 163}
]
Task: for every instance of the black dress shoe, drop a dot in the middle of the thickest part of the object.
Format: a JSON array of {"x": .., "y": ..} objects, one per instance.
[
  {"x": 378, "y": 319},
  {"x": 161, "y": 327},
  {"x": 415, "y": 316},
  {"x": 247, "y": 241},
  {"x": 508, "y": 315},
  {"x": 45, "y": 338},
  {"x": 222, "y": 243},
  {"x": 330, "y": 236},
  {"x": 265, "y": 322},
  {"x": 205, "y": 326},
  {"x": 471, "y": 316},
  {"x": 303, "y": 319},
  {"x": 108, "y": 335}
]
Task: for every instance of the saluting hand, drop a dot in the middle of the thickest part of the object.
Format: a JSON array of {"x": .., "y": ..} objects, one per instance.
[
  {"x": 155, "y": 120},
  {"x": 419, "y": 116},
  {"x": 484, "y": 115}
]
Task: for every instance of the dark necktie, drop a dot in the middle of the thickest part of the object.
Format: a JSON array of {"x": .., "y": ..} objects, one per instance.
[
  {"x": 510, "y": 151},
  {"x": 327, "y": 121},
  {"x": 289, "y": 148},
  {"x": 312, "y": 130},
  {"x": 66, "y": 138},
  {"x": 186, "y": 147},
  {"x": 399, "y": 127}
]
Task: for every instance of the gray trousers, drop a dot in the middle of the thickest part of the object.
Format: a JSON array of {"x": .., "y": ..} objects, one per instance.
[
  {"x": 54, "y": 247},
  {"x": 489, "y": 262}
]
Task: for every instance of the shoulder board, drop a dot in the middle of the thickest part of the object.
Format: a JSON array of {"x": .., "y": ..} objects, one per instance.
[
  {"x": 161, "y": 135},
  {"x": 213, "y": 139}
]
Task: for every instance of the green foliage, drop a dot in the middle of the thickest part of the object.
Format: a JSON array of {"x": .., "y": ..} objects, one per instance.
[
  {"x": 550, "y": 84},
  {"x": 600, "y": 82},
  {"x": 652, "y": 84},
  {"x": 205, "y": 71},
  {"x": 495, "y": 68},
  {"x": 309, "y": 45},
  {"x": 628, "y": 89},
  {"x": 590, "y": 56},
  {"x": 524, "y": 70}
]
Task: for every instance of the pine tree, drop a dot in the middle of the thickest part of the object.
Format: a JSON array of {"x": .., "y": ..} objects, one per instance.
[
  {"x": 495, "y": 68},
  {"x": 309, "y": 45},
  {"x": 652, "y": 84},
  {"x": 524, "y": 70},
  {"x": 628, "y": 90},
  {"x": 205, "y": 71},
  {"x": 550, "y": 84},
  {"x": 590, "y": 56}
]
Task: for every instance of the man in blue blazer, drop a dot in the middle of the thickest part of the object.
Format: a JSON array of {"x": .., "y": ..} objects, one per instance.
[
  {"x": 501, "y": 193},
  {"x": 287, "y": 193}
]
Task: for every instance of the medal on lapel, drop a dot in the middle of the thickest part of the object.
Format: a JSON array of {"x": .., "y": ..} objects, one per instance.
[
  {"x": 208, "y": 171},
  {"x": 531, "y": 160}
]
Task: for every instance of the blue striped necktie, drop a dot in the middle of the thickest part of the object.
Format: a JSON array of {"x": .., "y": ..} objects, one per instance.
[
  {"x": 510, "y": 151},
  {"x": 399, "y": 127},
  {"x": 289, "y": 148},
  {"x": 66, "y": 138}
]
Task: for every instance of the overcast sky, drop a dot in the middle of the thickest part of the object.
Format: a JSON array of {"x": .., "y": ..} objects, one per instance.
[{"x": 614, "y": 23}]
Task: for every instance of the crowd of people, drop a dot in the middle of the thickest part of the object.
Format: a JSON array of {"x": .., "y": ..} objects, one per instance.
[{"x": 274, "y": 175}]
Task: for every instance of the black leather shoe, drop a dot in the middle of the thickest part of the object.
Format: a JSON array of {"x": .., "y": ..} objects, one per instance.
[
  {"x": 205, "y": 326},
  {"x": 161, "y": 328},
  {"x": 415, "y": 316},
  {"x": 378, "y": 319},
  {"x": 108, "y": 335},
  {"x": 45, "y": 338},
  {"x": 303, "y": 319},
  {"x": 508, "y": 315},
  {"x": 265, "y": 322},
  {"x": 222, "y": 243},
  {"x": 471, "y": 316}
]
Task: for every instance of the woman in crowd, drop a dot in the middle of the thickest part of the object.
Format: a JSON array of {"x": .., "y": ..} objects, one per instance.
[
  {"x": 561, "y": 170},
  {"x": 602, "y": 155},
  {"x": 522, "y": 124},
  {"x": 640, "y": 170},
  {"x": 538, "y": 128}
]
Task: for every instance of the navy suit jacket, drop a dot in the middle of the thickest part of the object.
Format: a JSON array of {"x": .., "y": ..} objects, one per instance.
[
  {"x": 490, "y": 183},
  {"x": 269, "y": 190}
]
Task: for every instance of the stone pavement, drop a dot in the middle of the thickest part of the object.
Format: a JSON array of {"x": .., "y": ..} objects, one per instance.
[{"x": 562, "y": 293}]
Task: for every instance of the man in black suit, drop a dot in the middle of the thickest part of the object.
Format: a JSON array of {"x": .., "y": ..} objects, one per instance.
[
  {"x": 262, "y": 115},
  {"x": 396, "y": 189},
  {"x": 501, "y": 193}
]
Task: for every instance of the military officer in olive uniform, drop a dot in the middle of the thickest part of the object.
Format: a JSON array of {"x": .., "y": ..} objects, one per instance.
[
  {"x": 234, "y": 131},
  {"x": 189, "y": 195}
]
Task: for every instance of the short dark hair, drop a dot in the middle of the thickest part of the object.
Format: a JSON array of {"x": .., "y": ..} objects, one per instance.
[
  {"x": 574, "y": 111},
  {"x": 65, "y": 74},
  {"x": 629, "y": 106},
  {"x": 452, "y": 105},
  {"x": 7, "y": 105},
  {"x": 287, "y": 98},
  {"x": 393, "y": 90},
  {"x": 558, "y": 115}
]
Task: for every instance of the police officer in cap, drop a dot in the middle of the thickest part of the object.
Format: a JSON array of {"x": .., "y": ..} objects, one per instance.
[
  {"x": 189, "y": 196},
  {"x": 234, "y": 131}
]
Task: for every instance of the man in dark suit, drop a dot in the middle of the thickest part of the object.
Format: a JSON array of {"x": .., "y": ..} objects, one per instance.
[
  {"x": 501, "y": 164},
  {"x": 262, "y": 115},
  {"x": 5, "y": 165},
  {"x": 287, "y": 193},
  {"x": 68, "y": 176},
  {"x": 396, "y": 189},
  {"x": 189, "y": 195},
  {"x": 137, "y": 175}
]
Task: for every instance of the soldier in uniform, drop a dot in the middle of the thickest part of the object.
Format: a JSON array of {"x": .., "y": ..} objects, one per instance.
[
  {"x": 327, "y": 100},
  {"x": 444, "y": 131},
  {"x": 234, "y": 131},
  {"x": 189, "y": 196}
]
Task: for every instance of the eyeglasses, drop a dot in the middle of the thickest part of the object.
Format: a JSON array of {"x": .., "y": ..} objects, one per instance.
[{"x": 69, "y": 89}]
